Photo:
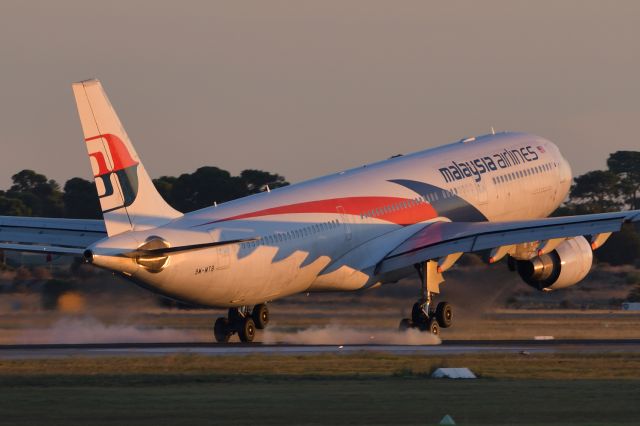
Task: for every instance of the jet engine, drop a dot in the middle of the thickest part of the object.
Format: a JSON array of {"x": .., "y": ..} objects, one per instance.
[{"x": 567, "y": 265}]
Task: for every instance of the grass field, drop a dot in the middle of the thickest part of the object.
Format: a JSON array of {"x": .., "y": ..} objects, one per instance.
[
  {"x": 265, "y": 401},
  {"x": 363, "y": 388}
]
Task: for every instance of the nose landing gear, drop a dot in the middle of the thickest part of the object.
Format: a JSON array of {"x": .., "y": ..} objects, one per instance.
[
  {"x": 242, "y": 321},
  {"x": 423, "y": 317}
]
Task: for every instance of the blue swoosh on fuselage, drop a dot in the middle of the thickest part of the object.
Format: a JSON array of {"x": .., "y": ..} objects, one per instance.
[{"x": 455, "y": 208}]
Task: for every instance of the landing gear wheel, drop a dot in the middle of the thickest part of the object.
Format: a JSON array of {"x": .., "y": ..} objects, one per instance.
[
  {"x": 444, "y": 314},
  {"x": 260, "y": 316},
  {"x": 433, "y": 327},
  {"x": 221, "y": 330},
  {"x": 405, "y": 324},
  {"x": 417, "y": 314},
  {"x": 247, "y": 330}
]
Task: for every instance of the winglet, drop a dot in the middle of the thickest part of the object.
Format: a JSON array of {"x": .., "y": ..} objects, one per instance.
[{"x": 128, "y": 198}]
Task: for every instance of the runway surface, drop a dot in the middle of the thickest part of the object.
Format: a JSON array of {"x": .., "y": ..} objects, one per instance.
[{"x": 451, "y": 347}]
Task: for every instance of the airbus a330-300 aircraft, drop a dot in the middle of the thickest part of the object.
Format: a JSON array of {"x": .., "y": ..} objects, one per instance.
[{"x": 352, "y": 230}]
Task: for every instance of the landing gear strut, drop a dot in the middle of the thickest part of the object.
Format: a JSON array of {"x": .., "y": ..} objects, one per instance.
[
  {"x": 423, "y": 316},
  {"x": 242, "y": 321}
]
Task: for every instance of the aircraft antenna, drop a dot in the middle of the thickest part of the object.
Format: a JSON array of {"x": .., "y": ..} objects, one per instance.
[{"x": 493, "y": 132}]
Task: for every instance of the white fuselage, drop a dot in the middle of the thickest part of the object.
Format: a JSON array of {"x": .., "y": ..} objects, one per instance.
[{"x": 327, "y": 234}]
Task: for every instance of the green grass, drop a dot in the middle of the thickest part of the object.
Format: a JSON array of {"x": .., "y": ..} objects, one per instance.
[
  {"x": 361, "y": 388},
  {"x": 409, "y": 400}
]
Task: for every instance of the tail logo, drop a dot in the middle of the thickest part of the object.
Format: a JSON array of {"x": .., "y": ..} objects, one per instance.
[{"x": 114, "y": 170}]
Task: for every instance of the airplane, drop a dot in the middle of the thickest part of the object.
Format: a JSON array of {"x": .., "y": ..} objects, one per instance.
[{"x": 353, "y": 230}]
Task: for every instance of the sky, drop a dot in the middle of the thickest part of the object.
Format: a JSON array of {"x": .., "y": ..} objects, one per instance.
[{"x": 306, "y": 88}]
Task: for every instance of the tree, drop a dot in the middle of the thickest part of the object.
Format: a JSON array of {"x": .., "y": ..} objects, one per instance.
[
  {"x": 13, "y": 206},
  {"x": 164, "y": 185},
  {"x": 27, "y": 181},
  {"x": 42, "y": 196},
  {"x": 80, "y": 199},
  {"x": 258, "y": 180},
  {"x": 207, "y": 185},
  {"x": 596, "y": 192},
  {"x": 626, "y": 164},
  {"x": 621, "y": 248},
  {"x": 204, "y": 187}
]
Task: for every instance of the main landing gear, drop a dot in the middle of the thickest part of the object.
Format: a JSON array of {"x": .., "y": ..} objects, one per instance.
[
  {"x": 242, "y": 321},
  {"x": 423, "y": 316}
]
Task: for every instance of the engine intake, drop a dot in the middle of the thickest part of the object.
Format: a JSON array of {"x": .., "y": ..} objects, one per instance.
[{"x": 567, "y": 265}]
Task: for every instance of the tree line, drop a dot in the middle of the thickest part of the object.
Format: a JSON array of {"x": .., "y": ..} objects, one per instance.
[
  {"x": 33, "y": 194},
  {"x": 613, "y": 189}
]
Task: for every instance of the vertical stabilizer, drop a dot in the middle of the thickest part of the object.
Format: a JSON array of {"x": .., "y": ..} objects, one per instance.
[{"x": 128, "y": 198}]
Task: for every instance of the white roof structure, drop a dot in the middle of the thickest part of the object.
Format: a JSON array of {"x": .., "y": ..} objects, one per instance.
[{"x": 453, "y": 373}]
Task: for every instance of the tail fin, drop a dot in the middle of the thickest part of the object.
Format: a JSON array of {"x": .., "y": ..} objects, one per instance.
[{"x": 128, "y": 198}]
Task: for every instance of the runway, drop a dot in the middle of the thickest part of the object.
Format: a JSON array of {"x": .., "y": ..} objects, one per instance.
[{"x": 451, "y": 347}]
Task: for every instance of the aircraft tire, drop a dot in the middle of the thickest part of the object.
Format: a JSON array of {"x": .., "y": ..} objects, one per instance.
[
  {"x": 433, "y": 327},
  {"x": 221, "y": 330},
  {"x": 247, "y": 330},
  {"x": 260, "y": 316},
  {"x": 444, "y": 314}
]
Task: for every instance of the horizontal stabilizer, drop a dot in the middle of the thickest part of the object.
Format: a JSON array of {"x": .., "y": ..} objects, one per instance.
[
  {"x": 32, "y": 248},
  {"x": 49, "y": 235}
]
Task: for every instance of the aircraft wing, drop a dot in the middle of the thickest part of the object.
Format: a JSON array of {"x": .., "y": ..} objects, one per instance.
[
  {"x": 440, "y": 239},
  {"x": 45, "y": 235}
]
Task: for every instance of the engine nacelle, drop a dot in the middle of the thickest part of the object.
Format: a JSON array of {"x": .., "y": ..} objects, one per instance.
[{"x": 567, "y": 265}]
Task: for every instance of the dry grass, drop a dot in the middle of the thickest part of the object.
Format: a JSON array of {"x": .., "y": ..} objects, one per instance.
[{"x": 495, "y": 366}]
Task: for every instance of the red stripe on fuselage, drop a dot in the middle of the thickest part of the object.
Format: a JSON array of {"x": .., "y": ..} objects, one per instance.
[{"x": 401, "y": 211}]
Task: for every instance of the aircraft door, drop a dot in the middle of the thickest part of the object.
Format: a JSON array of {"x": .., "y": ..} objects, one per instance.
[{"x": 345, "y": 221}]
